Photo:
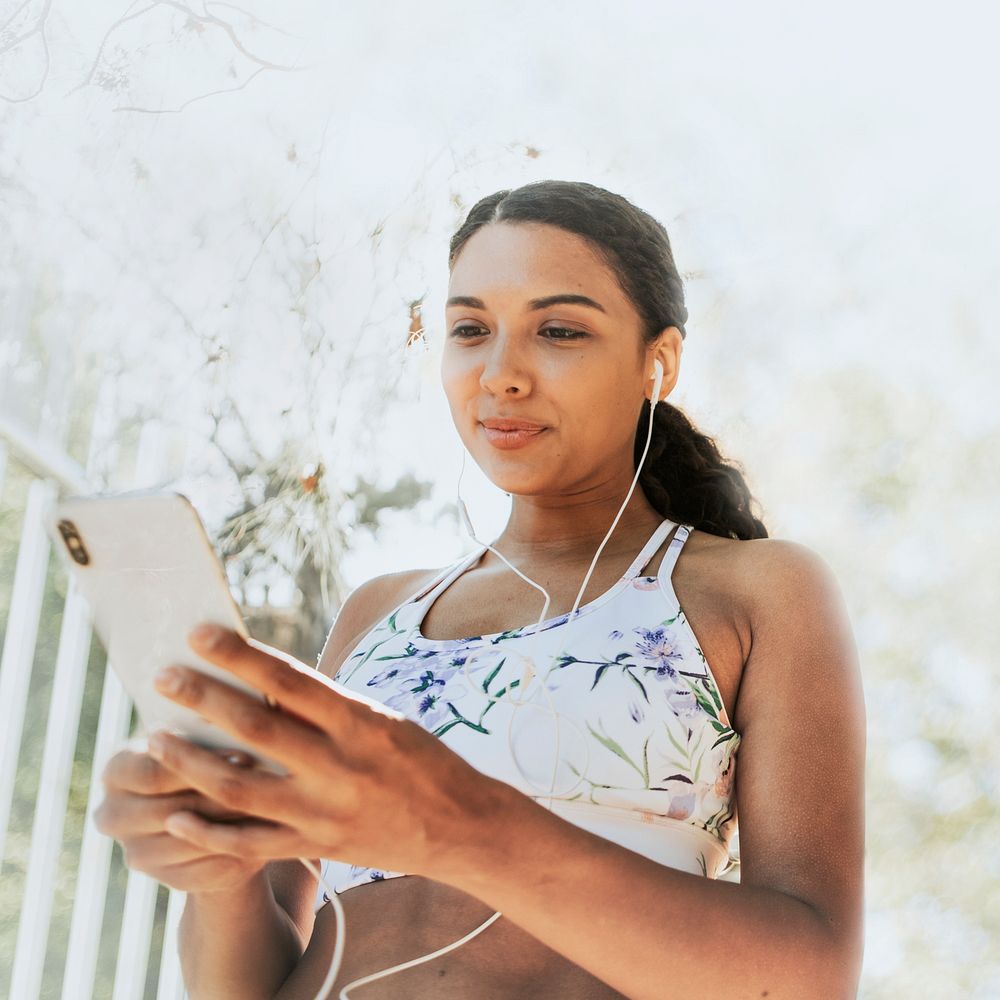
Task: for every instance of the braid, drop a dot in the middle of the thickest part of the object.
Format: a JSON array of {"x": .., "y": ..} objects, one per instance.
[{"x": 686, "y": 478}]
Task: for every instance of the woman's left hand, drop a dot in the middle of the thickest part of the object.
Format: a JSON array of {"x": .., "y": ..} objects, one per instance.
[{"x": 365, "y": 785}]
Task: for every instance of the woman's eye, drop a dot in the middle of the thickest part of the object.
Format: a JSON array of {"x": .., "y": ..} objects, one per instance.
[
  {"x": 468, "y": 330},
  {"x": 573, "y": 334},
  {"x": 459, "y": 331}
]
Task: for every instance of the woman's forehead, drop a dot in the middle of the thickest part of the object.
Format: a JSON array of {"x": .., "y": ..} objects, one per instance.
[{"x": 533, "y": 259}]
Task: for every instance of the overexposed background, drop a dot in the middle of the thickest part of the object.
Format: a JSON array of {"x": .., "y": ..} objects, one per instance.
[{"x": 227, "y": 213}]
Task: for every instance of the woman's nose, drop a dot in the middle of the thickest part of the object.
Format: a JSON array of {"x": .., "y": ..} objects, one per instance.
[{"x": 504, "y": 368}]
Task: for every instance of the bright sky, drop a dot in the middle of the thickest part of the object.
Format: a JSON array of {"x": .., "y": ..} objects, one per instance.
[{"x": 827, "y": 178}]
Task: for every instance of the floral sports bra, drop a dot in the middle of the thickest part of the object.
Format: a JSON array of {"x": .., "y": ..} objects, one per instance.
[{"x": 646, "y": 753}]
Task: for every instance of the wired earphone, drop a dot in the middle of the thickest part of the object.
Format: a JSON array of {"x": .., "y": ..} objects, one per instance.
[{"x": 528, "y": 674}]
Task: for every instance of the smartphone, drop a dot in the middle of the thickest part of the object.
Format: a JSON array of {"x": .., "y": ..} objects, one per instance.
[{"x": 144, "y": 563}]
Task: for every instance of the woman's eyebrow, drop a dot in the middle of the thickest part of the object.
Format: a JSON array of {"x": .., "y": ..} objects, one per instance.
[{"x": 471, "y": 302}]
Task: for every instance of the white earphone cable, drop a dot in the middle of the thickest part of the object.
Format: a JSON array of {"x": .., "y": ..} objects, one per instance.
[{"x": 528, "y": 674}]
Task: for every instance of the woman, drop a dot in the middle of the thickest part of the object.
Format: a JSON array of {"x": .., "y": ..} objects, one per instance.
[{"x": 697, "y": 635}]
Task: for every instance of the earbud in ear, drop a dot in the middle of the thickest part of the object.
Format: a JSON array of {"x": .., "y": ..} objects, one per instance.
[{"x": 657, "y": 378}]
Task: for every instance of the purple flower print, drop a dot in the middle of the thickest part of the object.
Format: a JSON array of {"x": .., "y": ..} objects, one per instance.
[
  {"x": 683, "y": 702},
  {"x": 423, "y": 700},
  {"x": 383, "y": 677},
  {"x": 416, "y": 709},
  {"x": 635, "y": 711},
  {"x": 615, "y": 635},
  {"x": 645, "y": 583},
  {"x": 681, "y": 806},
  {"x": 374, "y": 874},
  {"x": 409, "y": 671},
  {"x": 661, "y": 647},
  {"x": 556, "y": 622}
]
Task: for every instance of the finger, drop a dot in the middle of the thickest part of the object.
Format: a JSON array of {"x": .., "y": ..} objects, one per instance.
[
  {"x": 160, "y": 850},
  {"x": 244, "y": 839},
  {"x": 247, "y": 790},
  {"x": 209, "y": 868},
  {"x": 308, "y": 693},
  {"x": 136, "y": 771},
  {"x": 128, "y": 815},
  {"x": 278, "y": 735}
]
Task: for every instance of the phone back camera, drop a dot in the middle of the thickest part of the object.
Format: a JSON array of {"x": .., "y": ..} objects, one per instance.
[{"x": 74, "y": 542}]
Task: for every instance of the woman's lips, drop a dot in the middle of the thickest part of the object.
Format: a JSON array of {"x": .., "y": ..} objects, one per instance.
[{"x": 510, "y": 439}]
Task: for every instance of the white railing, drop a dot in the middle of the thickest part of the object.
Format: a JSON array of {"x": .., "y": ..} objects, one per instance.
[{"x": 55, "y": 473}]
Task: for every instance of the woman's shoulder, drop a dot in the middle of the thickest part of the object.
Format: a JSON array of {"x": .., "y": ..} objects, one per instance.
[
  {"x": 777, "y": 562},
  {"x": 765, "y": 576},
  {"x": 365, "y": 607},
  {"x": 757, "y": 576}
]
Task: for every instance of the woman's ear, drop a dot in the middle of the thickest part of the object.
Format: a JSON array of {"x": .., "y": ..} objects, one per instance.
[{"x": 667, "y": 350}]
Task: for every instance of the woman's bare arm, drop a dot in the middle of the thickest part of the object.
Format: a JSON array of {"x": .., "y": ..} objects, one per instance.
[
  {"x": 237, "y": 943},
  {"x": 793, "y": 927}
]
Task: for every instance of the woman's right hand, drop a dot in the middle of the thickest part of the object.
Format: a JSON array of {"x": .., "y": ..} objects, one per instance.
[{"x": 139, "y": 796}]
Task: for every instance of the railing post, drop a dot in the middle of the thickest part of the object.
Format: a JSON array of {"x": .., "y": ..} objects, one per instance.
[
  {"x": 53, "y": 792},
  {"x": 20, "y": 639}
]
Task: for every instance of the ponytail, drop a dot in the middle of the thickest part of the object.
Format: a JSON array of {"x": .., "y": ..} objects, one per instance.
[{"x": 686, "y": 478}]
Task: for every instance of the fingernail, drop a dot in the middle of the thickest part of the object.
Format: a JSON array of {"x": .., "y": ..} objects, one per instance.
[
  {"x": 207, "y": 636},
  {"x": 156, "y": 745},
  {"x": 168, "y": 679},
  {"x": 176, "y": 824}
]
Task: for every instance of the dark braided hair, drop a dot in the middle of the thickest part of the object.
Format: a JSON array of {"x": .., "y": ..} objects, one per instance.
[{"x": 684, "y": 477}]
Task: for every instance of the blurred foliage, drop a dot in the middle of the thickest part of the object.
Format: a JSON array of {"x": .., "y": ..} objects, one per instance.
[{"x": 290, "y": 532}]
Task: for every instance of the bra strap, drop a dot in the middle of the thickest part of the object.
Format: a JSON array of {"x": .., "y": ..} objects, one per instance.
[
  {"x": 649, "y": 549},
  {"x": 430, "y": 592},
  {"x": 673, "y": 551}
]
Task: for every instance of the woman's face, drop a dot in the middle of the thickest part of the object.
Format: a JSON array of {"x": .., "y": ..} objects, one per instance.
[{"x": 514, "y": 350}]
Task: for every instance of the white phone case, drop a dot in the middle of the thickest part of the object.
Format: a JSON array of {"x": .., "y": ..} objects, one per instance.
[{"x": 144, "y": 563}]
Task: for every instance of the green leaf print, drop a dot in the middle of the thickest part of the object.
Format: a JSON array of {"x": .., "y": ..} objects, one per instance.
[
  {"x": 708, "y": 681},
  {"x": 493, "y": 673},
  {"x": 616, "y": 749},
  {"x": 717, "y": 819},
  {"x": 593, "y": 784},
  {"x": 699, "y": 696},
  {"x": 638, "y": 683},
  {"x": 670, "y": 621},
  {"x": 697, "y": 770},
  {"x": 598, "y": 674},
  {"x": 714, "y": 693},
  {"x": 727, "y": 734},
  {"x": 393, "y": 633},
  {"x": 498, "y": 695},
  {"x": 685, "y": 763},
  {"x": 684, "y": 751},
  {"x": 459, "y": 720},
  {"x": 511, "y": 633}
]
